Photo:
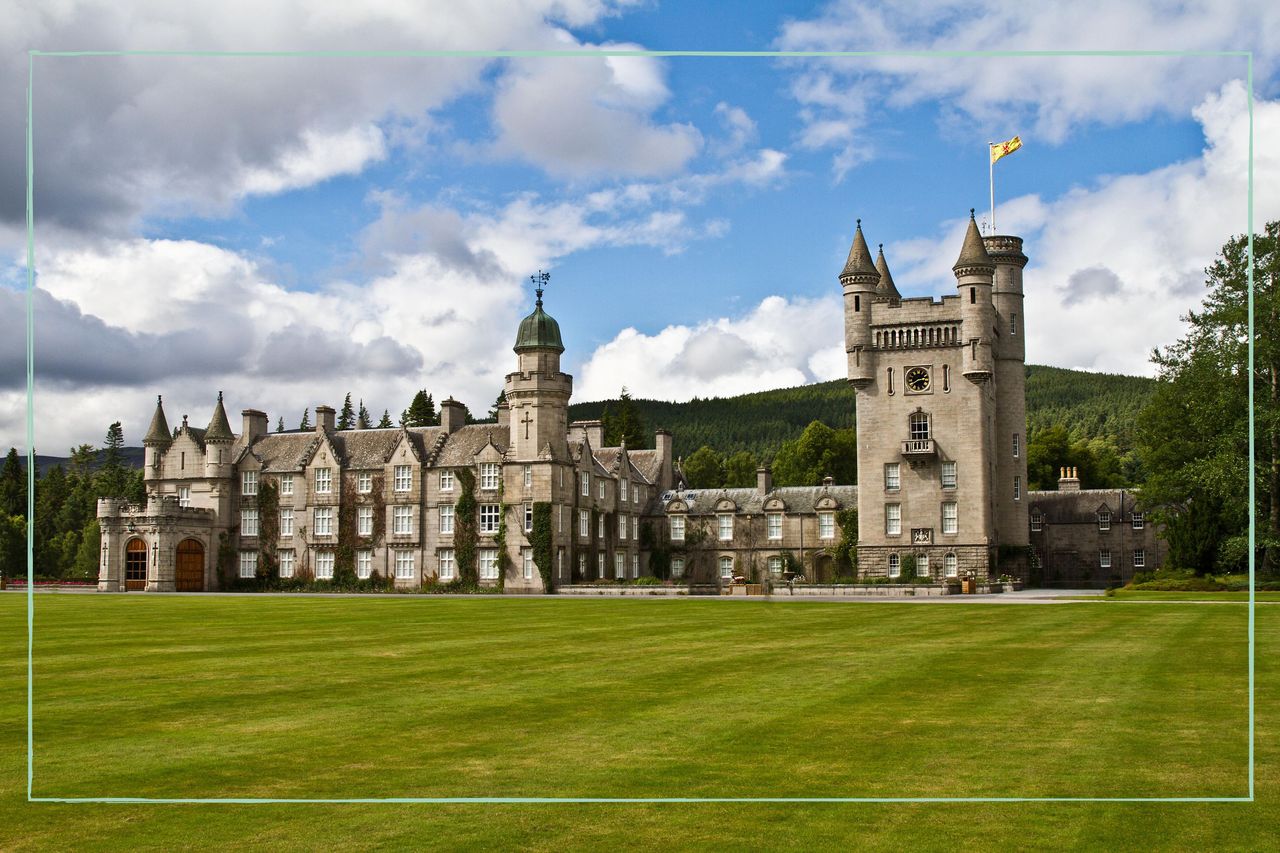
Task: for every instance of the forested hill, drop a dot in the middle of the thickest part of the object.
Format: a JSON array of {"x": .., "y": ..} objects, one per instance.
[{"x": 1089, "y": 405}]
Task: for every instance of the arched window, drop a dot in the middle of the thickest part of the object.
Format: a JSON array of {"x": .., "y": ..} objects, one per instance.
[
  {"x": 919, "y": 426},
  {"x": 135, "y": 564}
]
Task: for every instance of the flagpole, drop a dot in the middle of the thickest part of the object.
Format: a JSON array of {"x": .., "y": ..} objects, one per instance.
[{"x": 991, "y": 183}]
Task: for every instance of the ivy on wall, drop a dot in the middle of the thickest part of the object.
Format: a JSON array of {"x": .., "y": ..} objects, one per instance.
[
  {"x": 464, "y": 528},
  {"x": 541, "y": 540},
  {"x": 500, "y": 538},
  {"x": 268, "y": 529}
]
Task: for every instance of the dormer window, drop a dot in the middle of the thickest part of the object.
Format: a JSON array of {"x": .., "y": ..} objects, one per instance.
[{"x": 1104, "y": 520}]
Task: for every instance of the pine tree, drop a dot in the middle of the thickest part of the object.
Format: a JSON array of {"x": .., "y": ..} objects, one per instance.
[
  {"x": 625, "y": 424},
  {"x": 280, "y": 424},
  {"x": 502, "y": 398},
  {"x": 306, "y": 419},
  {"x": 111, "y": 477},
  {"x": 422, "y": 411},
  {"x": 362, "y": 419},
  {"x": 347, "y": 417},
  {"x": 13, "y": 486},
  {"x": 385, "y": 423}
]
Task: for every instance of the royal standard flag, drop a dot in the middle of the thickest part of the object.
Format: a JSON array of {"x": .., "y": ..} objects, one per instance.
[{"x": 999, "y": 149}]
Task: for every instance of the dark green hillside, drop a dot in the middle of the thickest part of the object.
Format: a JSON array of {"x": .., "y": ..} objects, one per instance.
[{"x": 1089, "y": 405}]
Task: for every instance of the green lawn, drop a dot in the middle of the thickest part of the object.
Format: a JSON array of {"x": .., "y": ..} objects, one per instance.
[
  {"x": 1170, "y": 595},
  {"x": 269, "y": 696}
]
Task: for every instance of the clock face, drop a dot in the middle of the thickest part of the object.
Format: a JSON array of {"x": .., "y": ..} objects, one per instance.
[{"x": 918, "y": 379}]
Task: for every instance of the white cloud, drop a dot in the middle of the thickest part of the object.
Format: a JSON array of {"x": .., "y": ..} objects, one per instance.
[{"x": 317, "y": 157}]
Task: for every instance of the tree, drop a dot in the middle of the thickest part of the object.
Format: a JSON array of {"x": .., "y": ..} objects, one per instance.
[
  {"x": 704, "y": 469},
  {"x": 819, "y": 452},
  {"x": 112, "y": 476},
  {"x": 740, "y": 470},
  {"x": 626, "y": 424},
  {"x": 347, "y": 417},
  {"x": 280, "y": 424},
  {"x": 385, "y": 423},
  {"x": 362, "y": 420},
  {"x": 13, "y": 486},
  {"x": 1053, "y": 448},
  {"x": 502, "y": 398},
  {"x": 421, "y": 412},
  {"x": 1194, "y": 435},
  {"x": 306, "y": 419}
]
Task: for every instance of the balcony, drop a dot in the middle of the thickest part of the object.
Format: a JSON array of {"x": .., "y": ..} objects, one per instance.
[{"x": 918, "y": 448}]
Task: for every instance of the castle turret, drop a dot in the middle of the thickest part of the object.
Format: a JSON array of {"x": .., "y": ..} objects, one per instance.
[
  {"x": 886, "y": 290},
  {"x": 858, "y": 279},
  {"x": 1006, "y": 253},
  {"x": 974, "y": 272},
  {"x": 538, "y": 393},
  {"x": 218, "y": 439},
  {"x": 156, "y": 442}
]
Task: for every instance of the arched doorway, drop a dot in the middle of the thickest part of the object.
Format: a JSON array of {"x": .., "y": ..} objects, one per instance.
[
  {"x": 188, "y": 574},
  {"x": 135, "y": 564}
]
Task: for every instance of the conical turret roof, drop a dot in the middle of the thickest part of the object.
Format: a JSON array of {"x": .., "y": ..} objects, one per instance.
[
  {"x": 539, "y": 330},
  {"x": 219, "y": 429},
  {"x": 886, "y": 286},
  {"x": 158, "y": 432},
  {"x": 974, "y": 252},
  {"x": 859, "y": 265}
]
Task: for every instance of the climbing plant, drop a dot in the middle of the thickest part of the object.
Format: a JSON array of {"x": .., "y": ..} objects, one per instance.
[
  {"x": 268, "y": 529},
  {"x": 464, "y": 528},
  {"x": 540, "y": 539}
]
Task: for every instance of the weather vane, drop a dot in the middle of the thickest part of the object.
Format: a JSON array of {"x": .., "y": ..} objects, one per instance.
[{"x": 540, "y": 281}]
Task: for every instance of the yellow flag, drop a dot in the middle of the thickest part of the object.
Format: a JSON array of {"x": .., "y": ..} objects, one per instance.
[{"x": 999, "y": 149}]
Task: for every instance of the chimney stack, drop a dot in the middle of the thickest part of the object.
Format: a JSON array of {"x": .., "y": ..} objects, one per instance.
[
  {"x": 764, "y": 479},
  {"x": 253, "y": 424},
  {"x": 504, "y": 414},
  {"x": 324, "y": 419},
  {"x": 453, "y": 415},
  {"x": 1067, "y": 480},
  {"x": 663, "y": 442}
]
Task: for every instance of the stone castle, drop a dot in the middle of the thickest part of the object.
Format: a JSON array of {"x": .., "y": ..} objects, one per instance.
[{"x": 941, "y": 426}]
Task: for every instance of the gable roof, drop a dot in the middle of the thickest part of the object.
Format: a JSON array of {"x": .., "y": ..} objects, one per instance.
[
  {"x": 462, "y": 445},
  {"x": 799, "y": 499}
]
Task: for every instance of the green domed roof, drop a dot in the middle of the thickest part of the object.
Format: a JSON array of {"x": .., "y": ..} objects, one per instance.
[{"x": 539, "y": 331}]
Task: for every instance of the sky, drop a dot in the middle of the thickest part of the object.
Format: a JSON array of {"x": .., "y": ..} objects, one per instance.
[{"x": 290, "y": 229}]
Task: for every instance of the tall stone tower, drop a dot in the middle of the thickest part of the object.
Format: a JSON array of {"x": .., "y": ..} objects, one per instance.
[
  {"x": 538, "y": 393},
  {"x": 941, "y": 414}
]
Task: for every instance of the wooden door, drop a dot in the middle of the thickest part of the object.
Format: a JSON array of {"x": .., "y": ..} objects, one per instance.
[
  {"x": 135, "y": 564},
  {"x": 189, "y": 566}
]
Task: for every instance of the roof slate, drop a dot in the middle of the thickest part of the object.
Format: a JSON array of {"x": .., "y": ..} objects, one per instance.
[
  {"x": 801, "y": 499},
  {"x": 1082, "y": 505}
]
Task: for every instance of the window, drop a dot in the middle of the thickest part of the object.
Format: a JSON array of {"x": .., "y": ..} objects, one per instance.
[
  {"x": 1037, "y": 521},
  {"x": 600, "y": 563},
  {"x": 248, "y": 522},
  {"x": 404, "y": 565},
  {"x": 286, "y": 484},
  {"x": 323, "y": 521},
  {"x": 364, "y": 481},
  {"x": 619, "y": 565},
  {"x": 890, "y": 374},
  {"x": 1104, "y": 520},
  {"x": 950, "y": 517},
  {"x": 402, "y": 520},
  {"x": 526, "y": 563},
  {"x": 559, "y": 562},
  {"x": 951, "y": 565},
  {"x": 637, "y": 494},
  {"x": 489, "y": 564},
  {"x": 893, "y": 519},
  {"x": 892, "y": 476},
  {"x": 677, "y": 528},
  {"x": 444, "y": 560},
  {"x": 1139, "y": 521},
  {"x": 948, "y": 475},
  {"x": 725, "y": 527},
  {"x": 528, "y": 518},
  {"x": 622, "y": 526},
  {"x": 286, "y": 521},
  {"x": 622, "y": 490},
  {"x": 489, "y": 473},
  {"x": 446, "y": 518},
  {"x": 586, "y": 484},
  {"x": 324, "y": 565},
  {"x": 286, "y": 563},
  {"x": 1013, "y": 324},
  {"x": 528, "y": 476},
  {"x": 918, "y": 425},
  {"x": 248, "y": 482},
  {"x": 1016, "y": 445},
  {"x": 635, "y": 565},
  {"x": 826, "y": 525},
  {"x": 775, "y": 566},
  {"x": 446, "y": 481},
  {"x": 1104, "y": 558},
  {"x": 677, "y": 567},
  {"x": 1017, "y": 488},
  {"x": 946, "y": 378},
  {"x": 560, "y": 519},
  {"x": 726, "y": 568},
  {"x": 489, "y": 515},
  {"x": 582, "y": 565},
  {"x": 248, "y": 564},
  {"x": 773, "y": 525},
  {"x": 324, "y": 482},
  {"x": 1139, "y": 559},
  {"x": 895, "y": 565},
  {"x": 364, "y": 520},
  {"x": 184, "y": 496},
  {"x": 364, "y": 564},
  {"x": 922, "y": 566},
  {"x": 603, "y": 489},
  {"x": 584, "y": 523},
  {"x": 403, "y": 478},
  {"x": 973, "y": 295},
  {"x": 635, "y": 527}
]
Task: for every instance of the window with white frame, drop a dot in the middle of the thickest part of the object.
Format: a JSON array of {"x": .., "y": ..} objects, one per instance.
[
  {"x": 600, "y": 563},
  {"x": 248, "y": 522},
  {"x": 1017, "y": 488},
  {"x": 584, "y": 523},
  {"x": 622, "y": 526},
  {"x": 600, "y": 525},
  {"x": 489, "y": 564},
  {"x": 775, "y": 566},
  {"x": 446, "y": 481},
  {"x": 948, "y": 475},
  {"x": 286, "y": 562},
  {"x": 248, "y": 482},
  {"x": 773, "y": 525},
  {"x": 637, "y": 494},
  {"x": 950, "y": 517},
  {"x": 677, "y": 528},
  {"x": 1104, "y": 520},
  {"x": 560, "y": 518},
  {"x": 1037, "y": 521},
  {"x": 404, "y": 565},
  {"x": 1139, "y": 559},
  {"x": 364, "y": 482},
  {"x": 622, "y": 490},
  {"x": 559, "y": 562},
  {"x": 893, "y": 519},
  {"x": 895, "y": 565},
  {"x": 324, "y": 481},
  {"x": 286, "y": 521},
  {"x": 528, "y": 518},
  {"x": 526, "y": 563},
  {"x": 445, "y": 565},
  {"x": 826, "y": 525},
  {"x": 1139, "y": 521},
  {"x": 635, "y": 527},
  {"x": 726, "y": 568},
  {"x": 604, "y": 488},
  {"x": 635, "y": 565},
  {"x": 489, "y": 517},
  {"x": 1013, "y": 325},
  {"x": 892, "y": 476},
  {"x": 922, "y": 566},
  {"x": 951, "y": 565},
  {"x": 1017, "y": 445},
  {"x": 248, "y": 564},
  {"x": 582, "y": 565},
  {"x": 528, "y": 476},
  {"x": 403, "y": 475},
  {"x": 619, "y": 565},
  {"x": 489, "y": 474},
  {"x": 724, "y": 527},
  {"x": 324, "y": 565},
  {"x": 402, "y": 520},
  {"x": 677, "y": 567},
  {"x": 1104, "y": 558},
  {"x": 286, "y": 484},
  {"x": 364, "y": 563},
  {"x": 184, "y": 496},
  {"x": 918, "y": 426},
  {"x": 322, "y": 521},
  {"x": 446, "y": 518},
  {"x": 364, "y": 521},
  {"x": 585, "y": 480}
]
